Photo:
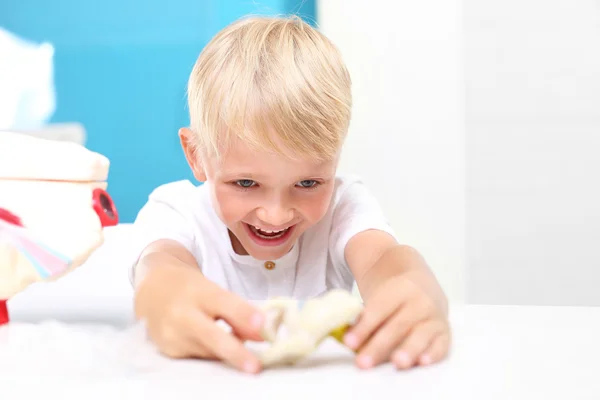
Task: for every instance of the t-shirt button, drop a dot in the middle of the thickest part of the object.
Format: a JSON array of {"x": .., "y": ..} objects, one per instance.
[{"x": 270, "y": 265}]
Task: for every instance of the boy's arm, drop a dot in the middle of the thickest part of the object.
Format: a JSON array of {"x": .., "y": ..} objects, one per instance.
[
  {"x": 160, "y": 253},
  {"x": 374, "y": 256},
  {"x": 180, "y": 306},
  {"x": 161, "y": 259}
]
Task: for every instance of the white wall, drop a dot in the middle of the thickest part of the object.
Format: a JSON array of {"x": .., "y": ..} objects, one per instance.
[
  {"x": 519, "y": 152},
  {"x": 407, "y": 135},
  {"x": 533, "y": 140}
]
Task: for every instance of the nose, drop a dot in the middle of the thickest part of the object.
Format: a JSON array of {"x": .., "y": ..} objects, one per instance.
[
  {"x": 275, "y": 213},
  {"x": 105, "y": 208}
]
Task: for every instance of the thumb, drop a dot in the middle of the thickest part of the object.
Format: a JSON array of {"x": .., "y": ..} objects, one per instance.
[{"x": 245, "y": 320}]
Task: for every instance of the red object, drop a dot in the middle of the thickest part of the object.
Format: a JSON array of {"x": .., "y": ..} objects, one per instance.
[
  {"x": 9, "y": 217},
  {"x": 105, "y": 208},
  {"x": 3, "y": 312},
  {"x": 102, "y": 204}
]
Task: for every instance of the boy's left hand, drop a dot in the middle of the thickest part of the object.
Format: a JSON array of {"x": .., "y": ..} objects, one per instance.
[{"x": 401, "y": 323}]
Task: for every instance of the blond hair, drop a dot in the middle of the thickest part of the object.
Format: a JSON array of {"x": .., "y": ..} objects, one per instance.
[{"x": 270, "y": 75}]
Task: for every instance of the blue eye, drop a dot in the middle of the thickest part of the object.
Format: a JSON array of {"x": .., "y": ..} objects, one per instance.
[
  {"x": 309, "y": 183},
  {"x": 245, "y": 183}
]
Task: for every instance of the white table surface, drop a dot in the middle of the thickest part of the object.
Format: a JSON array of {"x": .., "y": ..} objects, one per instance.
[{"x": 499, "y": 352}]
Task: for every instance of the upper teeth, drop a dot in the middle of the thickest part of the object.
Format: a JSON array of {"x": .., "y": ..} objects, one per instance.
[{"x": 268, "y": 231}]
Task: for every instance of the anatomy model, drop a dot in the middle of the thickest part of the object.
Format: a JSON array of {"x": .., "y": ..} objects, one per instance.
[
  {"x": 307, "y": 324},
  {"x": 53, "y": 208}
]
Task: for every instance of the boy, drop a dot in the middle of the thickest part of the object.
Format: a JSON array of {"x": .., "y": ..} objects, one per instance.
[{"x": 270, "y": 102}]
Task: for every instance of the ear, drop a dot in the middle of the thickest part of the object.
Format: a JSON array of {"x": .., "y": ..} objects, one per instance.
[{"x": 186, "y": 137}]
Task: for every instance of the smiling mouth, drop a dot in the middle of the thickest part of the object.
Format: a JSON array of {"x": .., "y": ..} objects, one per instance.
[{"x": 266, "y": 234}]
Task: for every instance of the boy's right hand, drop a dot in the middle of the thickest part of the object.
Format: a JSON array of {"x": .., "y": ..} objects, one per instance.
[{"x": 180, "y": 307}]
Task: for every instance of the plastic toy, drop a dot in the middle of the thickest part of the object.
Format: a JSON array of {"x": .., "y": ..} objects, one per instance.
[
  {"x": 307, "y": 325},
  {"x": 53, "y": 208}
]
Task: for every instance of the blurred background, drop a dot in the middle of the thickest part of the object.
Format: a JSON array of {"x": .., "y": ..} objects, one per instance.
[
  {"x": 476, "y": 122},
  {"x": 121, "y": 69}
]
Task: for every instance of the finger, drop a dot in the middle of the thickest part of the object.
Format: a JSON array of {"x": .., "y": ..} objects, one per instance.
[
  {"x": 378, "y": 348},
  {"x": 245, "y": 319},
  {"x": 188, "y": 348},
  {"x": 437, "y": 351},
  {"x": 384, "y": 304},
  {"x": 225, "y": 346},
  {"x": 173, "y": 342},
  {"x": 196, "y": 349},
  {"x": 171, "y": 350},
  {"x": 417, "y": 341}
]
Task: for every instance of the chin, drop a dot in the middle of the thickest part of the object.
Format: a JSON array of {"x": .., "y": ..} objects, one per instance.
[{"x": 263, "y": 255}]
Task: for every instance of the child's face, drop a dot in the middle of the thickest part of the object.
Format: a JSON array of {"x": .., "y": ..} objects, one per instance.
[{"x": 267, "y": 200}]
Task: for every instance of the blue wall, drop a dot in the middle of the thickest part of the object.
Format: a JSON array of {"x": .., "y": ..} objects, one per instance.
[{"x": 121, "y": 70}]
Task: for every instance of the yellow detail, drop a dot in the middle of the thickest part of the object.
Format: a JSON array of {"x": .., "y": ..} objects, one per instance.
[{"x": 339, "y": 332}]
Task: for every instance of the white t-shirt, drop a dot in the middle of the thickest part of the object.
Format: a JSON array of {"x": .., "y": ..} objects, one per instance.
[{"x": 183, "y": 212}]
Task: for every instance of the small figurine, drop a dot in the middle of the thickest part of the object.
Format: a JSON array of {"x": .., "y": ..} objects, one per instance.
[
  {"x": 307, "y": 324},
  {"x": 53, "y": 208}
]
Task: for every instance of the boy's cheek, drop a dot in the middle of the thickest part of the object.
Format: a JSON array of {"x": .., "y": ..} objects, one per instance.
[{"x": 231, "y": 208}]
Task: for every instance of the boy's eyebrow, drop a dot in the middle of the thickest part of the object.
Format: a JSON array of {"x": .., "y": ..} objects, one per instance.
[
  {"x": 261, "y": 178},
  {"x": 319, "y": 170},
  {"x": 233, "y": 173}
]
